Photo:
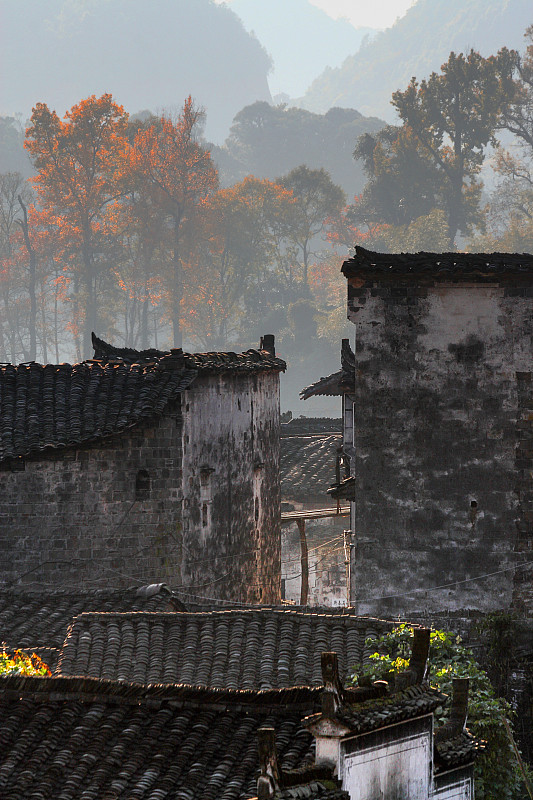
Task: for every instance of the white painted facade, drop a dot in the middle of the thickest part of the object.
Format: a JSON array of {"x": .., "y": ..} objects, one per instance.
[{"x": 391, "y": 763}]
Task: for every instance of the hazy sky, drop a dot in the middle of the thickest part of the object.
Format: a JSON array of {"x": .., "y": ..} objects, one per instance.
[
  {"x": 375, "y": 14},
  {"x": 362, "y": 13}
]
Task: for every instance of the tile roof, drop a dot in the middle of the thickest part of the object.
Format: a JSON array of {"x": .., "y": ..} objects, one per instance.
[
  {"x": 57, "y": 406},
  {"x": 311, "y": 791},
  {"x": 439, "y": 266},
  {"x": 457, "y": 750},
  {"x": 338, "y": 383},
  {"x": 252, "y": 360},
  {"x": 307, "y": 465},
  {"x": 255, "y": 649},
  {"x": 363, "y": 716},
  {"x": 40, "y": 619},
  {"x": 54, "y": 406},
  {"x": 299, "y": 426},
  {"x": 414, "y": 701},
  {"x": 58, "y": 742}
]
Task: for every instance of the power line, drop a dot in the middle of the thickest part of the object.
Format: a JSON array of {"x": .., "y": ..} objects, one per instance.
[{"x": 448, "y": 585}]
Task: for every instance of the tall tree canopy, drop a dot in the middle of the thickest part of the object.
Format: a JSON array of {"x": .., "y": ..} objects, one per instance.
[
  {"x": 453, "y": 116},
  {"x": 434, "y": 158},
  {"x": 316, "y": 198},
  {"x": 177, "y": 173},
  {"x": 79, "y": 162}
]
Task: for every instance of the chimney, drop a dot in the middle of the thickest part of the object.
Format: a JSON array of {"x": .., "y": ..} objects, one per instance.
[
  {"x": 268, "y": 343},
  {"x": 458, "y": 711},
  {"x": 332, "y": 694},
  {"x": 268, "y": 781},
  {"x": 459, "y": 708},
  {"x": 419, "y": 653}
]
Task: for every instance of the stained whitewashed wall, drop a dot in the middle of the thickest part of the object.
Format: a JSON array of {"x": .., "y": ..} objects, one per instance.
[
  {"x": 231, "y": 493},
  {"x": 443, "y": 445},
  {"x": 393, "y": 763}
]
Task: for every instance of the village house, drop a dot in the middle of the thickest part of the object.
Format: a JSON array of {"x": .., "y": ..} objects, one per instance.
[
  {"x": 135, "y": 467},
  {"x": 149, "y": 705},
  {"x": 438, "y": 431}
]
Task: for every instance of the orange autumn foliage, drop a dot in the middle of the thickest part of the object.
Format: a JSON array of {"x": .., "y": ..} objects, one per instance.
[{"x": 79, "y": 160}]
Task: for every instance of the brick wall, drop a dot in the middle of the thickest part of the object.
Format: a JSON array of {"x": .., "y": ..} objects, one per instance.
[
  {"x": 72, "y": 517},
  {"x": 192, "y": 500}
]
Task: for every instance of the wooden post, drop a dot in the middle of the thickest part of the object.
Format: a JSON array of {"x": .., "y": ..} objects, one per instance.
[
  {"x": 347, "y": 541},
  {"x": 304, "y": 591}
]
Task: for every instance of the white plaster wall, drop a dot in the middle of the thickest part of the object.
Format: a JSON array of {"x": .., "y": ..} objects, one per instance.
[
  {"x": 231, "y": 533},
  {"x": 399, "y": 769},
  {"x": 457, "y": 790}
]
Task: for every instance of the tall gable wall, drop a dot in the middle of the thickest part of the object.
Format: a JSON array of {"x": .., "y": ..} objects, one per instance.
[
  {"x": 442, "y": 455},
  {"x": 231, "y": 494}
]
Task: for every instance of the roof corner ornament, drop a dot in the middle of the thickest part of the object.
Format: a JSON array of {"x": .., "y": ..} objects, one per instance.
[
  {"x": 333, "y": 692},
  {"x": 269, "y": 780}
]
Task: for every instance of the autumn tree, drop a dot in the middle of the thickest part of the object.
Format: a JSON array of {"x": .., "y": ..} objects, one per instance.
[
  {"x": 316, "y": 200},
  {"x": 79, "y": 162},
  {"x": 453, "y": 117},
  {"x": 176, "y": 172},
  {"x": 243, "y": 249},
  {"x": 18, "y": 266}
]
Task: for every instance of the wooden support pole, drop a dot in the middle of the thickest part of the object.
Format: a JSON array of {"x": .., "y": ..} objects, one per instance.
[{"x": 304, "y": 591}]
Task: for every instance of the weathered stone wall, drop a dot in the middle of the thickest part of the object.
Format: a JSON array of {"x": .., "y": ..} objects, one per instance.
[
  {"x": 231, "y": 494},
  {"x": 81, "y": 516},
  {"x": 443, "y": 470}
]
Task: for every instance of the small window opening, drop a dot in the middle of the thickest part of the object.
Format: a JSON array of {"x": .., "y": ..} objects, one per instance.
[
  {"x": 256, "y": 509},
  {"x": 204, "y": 515},
  {"x": 142, "y": 485},
  {"x": 239, "y": 404},
  {"x": 473, "y": 504}
]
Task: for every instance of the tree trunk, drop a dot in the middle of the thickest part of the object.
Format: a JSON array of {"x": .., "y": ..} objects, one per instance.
[
  {"x": 176, "y": 289},
  {"x": 304, "y": 590},
  {"x": 31, "y": 286}
]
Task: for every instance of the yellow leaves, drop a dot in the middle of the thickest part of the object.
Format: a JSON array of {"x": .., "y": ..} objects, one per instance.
[{"x": 20, "y": 663}]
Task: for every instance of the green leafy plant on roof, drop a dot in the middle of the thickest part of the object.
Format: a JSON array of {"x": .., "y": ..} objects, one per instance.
[
  {"x": 20, "y": 663},
  {"x": 496, "y": 771}
]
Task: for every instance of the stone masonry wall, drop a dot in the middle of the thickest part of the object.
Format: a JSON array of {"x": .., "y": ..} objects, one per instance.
[
  {"x": 442, "y": 467},
  {"x": 231, "y": 493},
  {"x": 71, "y": 518}
]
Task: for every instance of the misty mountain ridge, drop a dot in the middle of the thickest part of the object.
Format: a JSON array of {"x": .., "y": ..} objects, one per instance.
[
  {"x": 147, "y": 55},
  {"x": 417, "y": 44},
  {"x": 301, "y": 39}
]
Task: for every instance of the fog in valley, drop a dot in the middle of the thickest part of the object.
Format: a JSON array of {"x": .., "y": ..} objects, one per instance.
[{"x": 192, "y": 174}]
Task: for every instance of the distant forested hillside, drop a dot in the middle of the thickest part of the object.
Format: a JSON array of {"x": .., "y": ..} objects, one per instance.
[
  {"x": 268, "y": 141},
  {"x": 146, "y": 54},
  {"x": 301, "y": 38},
  {"x": 418, "y": 44}
]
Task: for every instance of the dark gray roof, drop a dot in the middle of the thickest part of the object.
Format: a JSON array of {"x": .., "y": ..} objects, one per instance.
[
  {"x": 457, "y": 750},
  {"x": 40, "y": 619},
  {"x": 376, "y": 713},
  {"x": 255, "y": 649},
  {"x": 84, "y": 739},
  {"x": 480, "y": 267},
  {"x": 54, "y": 406},
  {"x": 204, "y": 363},
  {"x": 338, "y": 383},
  {"x": 307, "y": 466},
  {"x": 64, "y": 405}
]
